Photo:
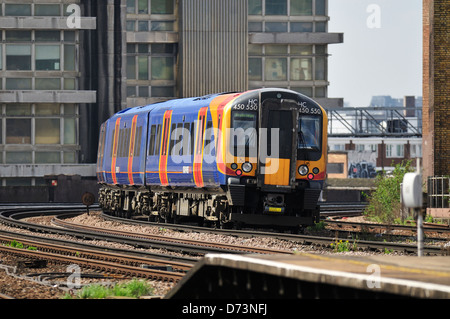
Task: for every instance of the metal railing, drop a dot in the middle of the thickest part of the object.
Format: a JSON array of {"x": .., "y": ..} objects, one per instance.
[{"x": 375, "y": 121}]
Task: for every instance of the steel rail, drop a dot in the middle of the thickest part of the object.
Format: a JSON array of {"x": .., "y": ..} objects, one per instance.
[
  {"x": 215, "y": 246},
  {"x": 97, "y": 254},
  {"x": 11, "y": 218},
  {"x": 103, "y": 266},
  {"x": 299, "y": 238}
]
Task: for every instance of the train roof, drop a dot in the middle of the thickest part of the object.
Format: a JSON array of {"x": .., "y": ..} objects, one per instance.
[
  {"x": 178, "y": 103},
  {"x": 199, "y": 101}
]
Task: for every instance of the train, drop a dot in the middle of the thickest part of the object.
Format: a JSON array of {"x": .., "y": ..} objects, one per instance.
[{"x": 229, "y": 159}]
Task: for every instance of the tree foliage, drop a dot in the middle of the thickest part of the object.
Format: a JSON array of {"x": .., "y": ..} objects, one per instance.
[{"x": 384, "y": 203}]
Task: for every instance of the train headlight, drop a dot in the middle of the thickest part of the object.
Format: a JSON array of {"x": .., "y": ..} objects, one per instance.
[
  {"x": 303, "y": 170},
  {"x": 247, "y": 167}
]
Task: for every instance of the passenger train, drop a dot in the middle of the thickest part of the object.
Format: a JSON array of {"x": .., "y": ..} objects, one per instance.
[{"x": 256, "y": 157}]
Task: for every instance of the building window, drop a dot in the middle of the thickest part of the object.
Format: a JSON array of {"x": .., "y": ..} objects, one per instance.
[
  {"x": 337, "y": 147},
  {"x": 276, "y": 69},
  {"x": 47, "y": 57},
  {"x": 301, "y": 69},
  {"x": 151, "y": 70},
  {"x": 18, "y": 57},
  {"x": 297, "y": 66},
  {"x": 280, "y": 7},
  {"x": 416, "y": 150},
  {"x": 47, "y": 131},
  {"x": 276, "y": 7},
  {"x": 395, "y": 150},
  {"x": 50, "y": 129},
  {"x": 162, "y": 68},
  {"x": 301, "y": 7},
  {"x": 18, "y": 131},
  {"x": 46, "y": 10},
  {"x": 47, "y": 157},
  {"x": 255, "y": 69},
  {"x": 18, "y": 157},
  {"x": 320, "y": 7},
  {"x": 50, "y": 51},
  {"x": 157, "y": 7},
  {"x": 142, "y": 7},
  {"x": 254, "y": 7},
  {"x": 18, "y": 83},
  {"x": 17, "y": 9},
  {"x": 162, "y": 6}
]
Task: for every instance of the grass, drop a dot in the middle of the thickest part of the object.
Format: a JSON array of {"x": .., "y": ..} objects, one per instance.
[
  {"x": 132, "y": 289},
  {"x": 19, "y": 245}
]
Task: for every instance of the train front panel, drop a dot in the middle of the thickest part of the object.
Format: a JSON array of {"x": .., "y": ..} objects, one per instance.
[{"x": 275, "y": 157}]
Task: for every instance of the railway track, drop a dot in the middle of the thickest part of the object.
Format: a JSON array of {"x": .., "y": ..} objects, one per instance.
[
  {"x": 322, "y": 241},
  {"x": 94, "y": 262},
  {"x": 109, "y": 260},
  {"x": 176, "y": 242},
  {"x": 196, "y": 247}
]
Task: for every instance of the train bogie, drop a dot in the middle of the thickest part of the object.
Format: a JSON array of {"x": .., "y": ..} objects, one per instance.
[{"x": 256, "y": 157}]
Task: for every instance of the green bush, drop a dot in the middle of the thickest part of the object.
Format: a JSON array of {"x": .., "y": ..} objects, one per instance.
[
  {"x": 134, "y": 289},
  {"x": 384, "y": 203}
]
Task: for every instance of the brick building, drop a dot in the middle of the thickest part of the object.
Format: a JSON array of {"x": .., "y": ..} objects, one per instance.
[{"x": 436, "y": 89}]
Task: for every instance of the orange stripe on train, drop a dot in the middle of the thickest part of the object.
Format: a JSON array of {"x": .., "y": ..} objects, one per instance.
[
  {"x": 164, "y": 150},
  {"x": 114, "y": 153},
  {"x": 131, "y": 150}
]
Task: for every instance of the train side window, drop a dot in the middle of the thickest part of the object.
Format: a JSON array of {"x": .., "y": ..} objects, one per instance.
[
  {"x": 127, "y": 142},
  {"x": 178, "y": 137},
  {"x": 120, "y": 141},
  {"x": 172, "y": 137},
  {"x": 124, "y": 143},
  {"x": 158, "y": 140},
  {"x": 186, "y": 135},
  {"x": 165, "y": 137},
  {"x": 200, "y": 130},
  {"x": 192, "y": 133},
  {"x": 151, "y": 148},
  {"x": 112, "y": 142},
  {"x": 208, "y": 137},
  {"x": 137, "y": 140}
]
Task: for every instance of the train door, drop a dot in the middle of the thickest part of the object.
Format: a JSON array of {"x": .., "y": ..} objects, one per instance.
[
  {"x": 277, "y": 162},
  {"x": 199, "y": 147}
]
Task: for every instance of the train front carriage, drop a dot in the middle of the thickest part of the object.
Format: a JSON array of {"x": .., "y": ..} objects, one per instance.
[{"x": 256, "y": 157}]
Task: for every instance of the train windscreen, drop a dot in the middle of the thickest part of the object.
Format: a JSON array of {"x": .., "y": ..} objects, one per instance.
[
  {"x": 309, "y": 131},
  {"x": 244, "y": 141}
]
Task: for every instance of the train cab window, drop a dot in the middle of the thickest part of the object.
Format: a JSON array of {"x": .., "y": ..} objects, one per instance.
[
  {"x": 309, "y": 131},
  {"x": 244, "y": 133}
]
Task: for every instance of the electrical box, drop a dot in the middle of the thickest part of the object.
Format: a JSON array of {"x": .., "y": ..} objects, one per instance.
[{"x": 412, "y": 190}]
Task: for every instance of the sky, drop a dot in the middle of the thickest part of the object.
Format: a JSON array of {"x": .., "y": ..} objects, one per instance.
[{"x": 381, "y": 53}]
